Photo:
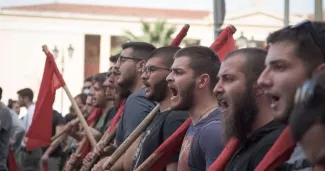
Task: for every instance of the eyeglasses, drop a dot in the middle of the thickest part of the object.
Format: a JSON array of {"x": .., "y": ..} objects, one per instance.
[
  {"x": 149, "y": 69},
  {"x": 122, "y": 59},
  {"x": 307, "y": 25},
  {"x": 305, "y": 92}
]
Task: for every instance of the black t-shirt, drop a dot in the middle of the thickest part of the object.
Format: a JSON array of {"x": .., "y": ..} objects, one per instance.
[
  {"x": 253, "y": 150},
  {"x": 57, "y": 120},
  {"x": 163, "y": 126},
  {"x": 110, "y": 115}
]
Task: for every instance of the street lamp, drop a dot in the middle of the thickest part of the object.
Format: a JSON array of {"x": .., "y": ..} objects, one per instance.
[
  {"x": 252, "y": 42},
  {"x": 56, "y": 55},
  {"x": 242, "y": 41}
]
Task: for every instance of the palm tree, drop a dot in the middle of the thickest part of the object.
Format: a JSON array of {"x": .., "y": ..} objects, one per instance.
[{"x": 158, "y": 35}]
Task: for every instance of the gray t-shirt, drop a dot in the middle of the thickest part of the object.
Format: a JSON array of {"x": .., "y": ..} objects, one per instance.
[
  {"x": 137, "y": 107},
  {"x": 5, "y": 130},
  {"x": 17, "y": 131}
]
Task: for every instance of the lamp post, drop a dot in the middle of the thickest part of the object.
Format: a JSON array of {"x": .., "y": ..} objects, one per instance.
[
  {"x": 56, "y": 52},
  {"x": 243, "y": 42}
]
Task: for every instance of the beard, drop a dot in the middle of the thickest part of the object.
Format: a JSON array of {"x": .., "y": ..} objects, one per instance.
[
  {"x": 128, "y": 80},
  {"x": 158, "y": 91},
  {"x": 241, "y": 117},
  {"x": 186, "y": 97}
]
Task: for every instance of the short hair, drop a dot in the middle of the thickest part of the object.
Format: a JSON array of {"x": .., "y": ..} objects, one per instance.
[
  {"x": 254, "y": 64},
  {"x": 166, "y": 53},
  {"x": 11, "y": 103},
  {"x": 0, "y": 93},
  {"x": 100, "y": 78},
  {"x": 305, "y": 47},
  {"x": 83, "y": 98},
  {"x": 89, "y": 79},
  {"x": 26, "y": 92},
  {"x": 312, "y": 112},
  {"x": 141, "y": 50},
  {"x": 202, "y": 60},
  {"x": 114, "y": 58}
]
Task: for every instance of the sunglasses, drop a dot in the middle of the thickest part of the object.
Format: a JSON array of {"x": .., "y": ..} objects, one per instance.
[{"x": 307, "y": 25}]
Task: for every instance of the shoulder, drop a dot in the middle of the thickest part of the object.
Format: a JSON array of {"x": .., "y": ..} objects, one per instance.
[
  {"x": 176, "y": 116},
  {"x": 138, "y": 99},
  {"x": 273, "y": 135}
]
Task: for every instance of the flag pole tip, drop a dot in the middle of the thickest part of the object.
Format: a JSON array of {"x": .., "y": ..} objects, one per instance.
[
  {"x": 45, "y": 48},
  {"x": 233, "y": 28},
  {"x": 187, "y": 26}
]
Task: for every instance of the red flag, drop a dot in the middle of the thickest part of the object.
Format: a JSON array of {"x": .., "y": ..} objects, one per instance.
[
  {"x": 221, "y": 162},
  {"x": 180, "y": 36},
  {"x": 40, "y": 131},
  {"x": 279, "y": 153},
  {"x": 117, "y": 117},
  {"x": 168, "y": 148},
  {"x": 12, "y": 165},
  {"x": 224, "y": 42}
]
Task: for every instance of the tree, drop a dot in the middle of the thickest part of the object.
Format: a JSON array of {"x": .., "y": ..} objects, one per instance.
[{"x": 158, "y": 33}]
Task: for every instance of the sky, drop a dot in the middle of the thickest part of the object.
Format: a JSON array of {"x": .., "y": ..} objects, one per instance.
[{"x": 296, "y": 6}]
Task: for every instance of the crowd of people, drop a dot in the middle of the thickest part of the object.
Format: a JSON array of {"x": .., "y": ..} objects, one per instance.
[{"x": 257, "y": 110}]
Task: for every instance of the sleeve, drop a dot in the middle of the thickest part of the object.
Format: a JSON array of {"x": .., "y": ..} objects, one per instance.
[
  {"x": 5, "y": 119},
  {"x": 18, "y": 131},
  {"x": 137, "y": 109},
  {"x": 211, "y": 146},
  {"x": 173, "y": 121}
]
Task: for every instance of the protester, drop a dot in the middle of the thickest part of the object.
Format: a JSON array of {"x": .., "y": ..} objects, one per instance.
[
  {"x": 5, "y": 133},
  {"x": 14, "y": 105},
  {"x": 246, "y": 112},
  {"x": 87, "y": 85},
  {"x": 130, "y": 65},
  {"x": 309, "y": 130},
  {"x": 295, "y": 54},
  {"x": 167, "y": 121},
  {"x": 191, "y": 82},
  {"x": 29, "y": 159}
]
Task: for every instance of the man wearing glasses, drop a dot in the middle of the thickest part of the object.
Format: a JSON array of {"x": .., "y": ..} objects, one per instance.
[
  {"x": 296, "y": 53},
  {"x": 167, "y": 121},
  {"x": 129, "y": 65}
]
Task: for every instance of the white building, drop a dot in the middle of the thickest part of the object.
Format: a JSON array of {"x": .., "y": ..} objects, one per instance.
[{"x": 92, "y": 31}]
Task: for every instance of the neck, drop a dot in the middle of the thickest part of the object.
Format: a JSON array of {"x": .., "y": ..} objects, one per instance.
[
  {"x": 164, "y": 104},
  {"x": 28, "y": 104},
  {"x": 108, "y": 106},
  {"x": 264, "y": 115},
  {"x": 201, "y": 107},
  {"x": 137, "y": 84}
]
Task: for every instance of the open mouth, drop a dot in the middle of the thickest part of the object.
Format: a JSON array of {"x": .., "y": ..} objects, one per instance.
[
  {"x": 223, "y": 103},
  {"x": 174, "y": 92},
  {"x": 274, "y": 101}
]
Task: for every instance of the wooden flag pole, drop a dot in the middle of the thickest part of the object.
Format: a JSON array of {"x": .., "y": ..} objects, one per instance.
[
  {"x": 75, "y": 106},
  {"x": 130, "y": 140}
]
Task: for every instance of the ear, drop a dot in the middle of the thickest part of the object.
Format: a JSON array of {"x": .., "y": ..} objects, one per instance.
[
  {"x": 141, "y": 65},
  {"x": 203, "y": 80},
  {"x": 319, "y": 69}
]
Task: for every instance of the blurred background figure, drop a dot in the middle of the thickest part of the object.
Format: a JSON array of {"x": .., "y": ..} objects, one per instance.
[{"x": 14, "y": 105}]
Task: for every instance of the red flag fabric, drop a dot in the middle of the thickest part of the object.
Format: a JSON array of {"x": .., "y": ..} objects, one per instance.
[
  {"x": 279, "y": 153},
  {"x": 180, "y": 36},
  {"x": 224, "y": 42},
  {"x": 40, "y": 131},
  {"x": 117, "y": 117},
  {"x": 221, "y": 162},
  {"x": 170, "y": 146},
  {"x": 12, "y": 165}
]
